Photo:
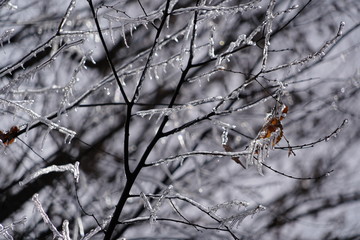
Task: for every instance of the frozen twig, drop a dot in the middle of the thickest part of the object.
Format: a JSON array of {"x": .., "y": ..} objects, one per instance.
[
  {"x": 320, "y": 53},
  {"x": 36, "y": 117},
  {"x": 45, "y": 217},
  {"x": 73, "y": 168},
  {"x": 194, "y": 153},
  {"x": 4, "y": 230}
]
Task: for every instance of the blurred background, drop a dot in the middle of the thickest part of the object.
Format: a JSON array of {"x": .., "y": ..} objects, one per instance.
[{"x": 56, "y": 80}]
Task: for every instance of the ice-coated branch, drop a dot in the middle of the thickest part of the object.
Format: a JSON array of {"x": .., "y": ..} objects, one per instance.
[
  {"x": 69, "y": 134},
  {"x": 194, "y": 153},
  {"x": 29, "y": 74},
  {"x": 320, "y": 53},
  {"x": 65, "y": 230},
  {"x": 148, "y": 206},
  {"x": 235, "y": 220},
  {"x": 149, "y": 59},
  {"x": 94, "y": 231},
  {"x": 73, "y": 168},
  {"x": 107, "y": 53},
  {"x": 169, "y": 111},
  {"x": 66, "y": 16},
  {"x": 268, "y": 30},
  {"x": 10, "y": 68},
  {"x": 67, "y": 89},
  {"x": 45, "y": 217},
  {"x": 4, "y": 230},
  {"x": 204, "y": 209},
  {"x": 334, "y": 133},
  {"x": 228, "y": 205},
  {"x": 214, "y": 11},
  {"x": 143, "y": 219},
  {"x": 155, "y": 209}
]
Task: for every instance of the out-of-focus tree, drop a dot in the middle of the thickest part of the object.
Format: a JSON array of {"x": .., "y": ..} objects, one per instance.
[{"x": 204, "y": 119}]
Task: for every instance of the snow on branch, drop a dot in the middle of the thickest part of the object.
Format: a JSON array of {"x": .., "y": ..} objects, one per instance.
[{"x": 73, "y": 168}]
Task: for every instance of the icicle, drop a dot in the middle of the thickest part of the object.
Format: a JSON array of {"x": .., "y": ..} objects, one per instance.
[
  {"x": 11, "y": 5},
  {"x": 211, "y": 40},
  {"x": 156, "y": 73},
  {"x": 44, "y": 138},
  {"x": 111, "y": 32},
  {"x": 68, "y": 138},
  {"x": 123, "y": 35},
  {"x": 224, "y": 136},
  {"x": 164, "y": 66}
]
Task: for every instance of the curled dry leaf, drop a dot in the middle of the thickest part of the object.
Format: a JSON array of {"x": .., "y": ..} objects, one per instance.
[
  {"x": 273, "y": 124},
  {"x": 8, "y": 137}
]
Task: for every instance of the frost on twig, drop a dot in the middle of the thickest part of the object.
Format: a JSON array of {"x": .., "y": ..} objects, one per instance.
[
  {"x": 4, "y": 230},
  {"x": 73, "y": 168},
  {"x": 56, "y": 234}
]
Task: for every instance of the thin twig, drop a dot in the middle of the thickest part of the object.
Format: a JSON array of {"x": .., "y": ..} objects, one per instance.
[{"x": 297, "y": 178}]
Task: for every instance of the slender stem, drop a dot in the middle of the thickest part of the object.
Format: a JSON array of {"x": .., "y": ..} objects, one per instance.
[
  {"x": 131, "y": 176},
  {"x": 107, "y": 51}
]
